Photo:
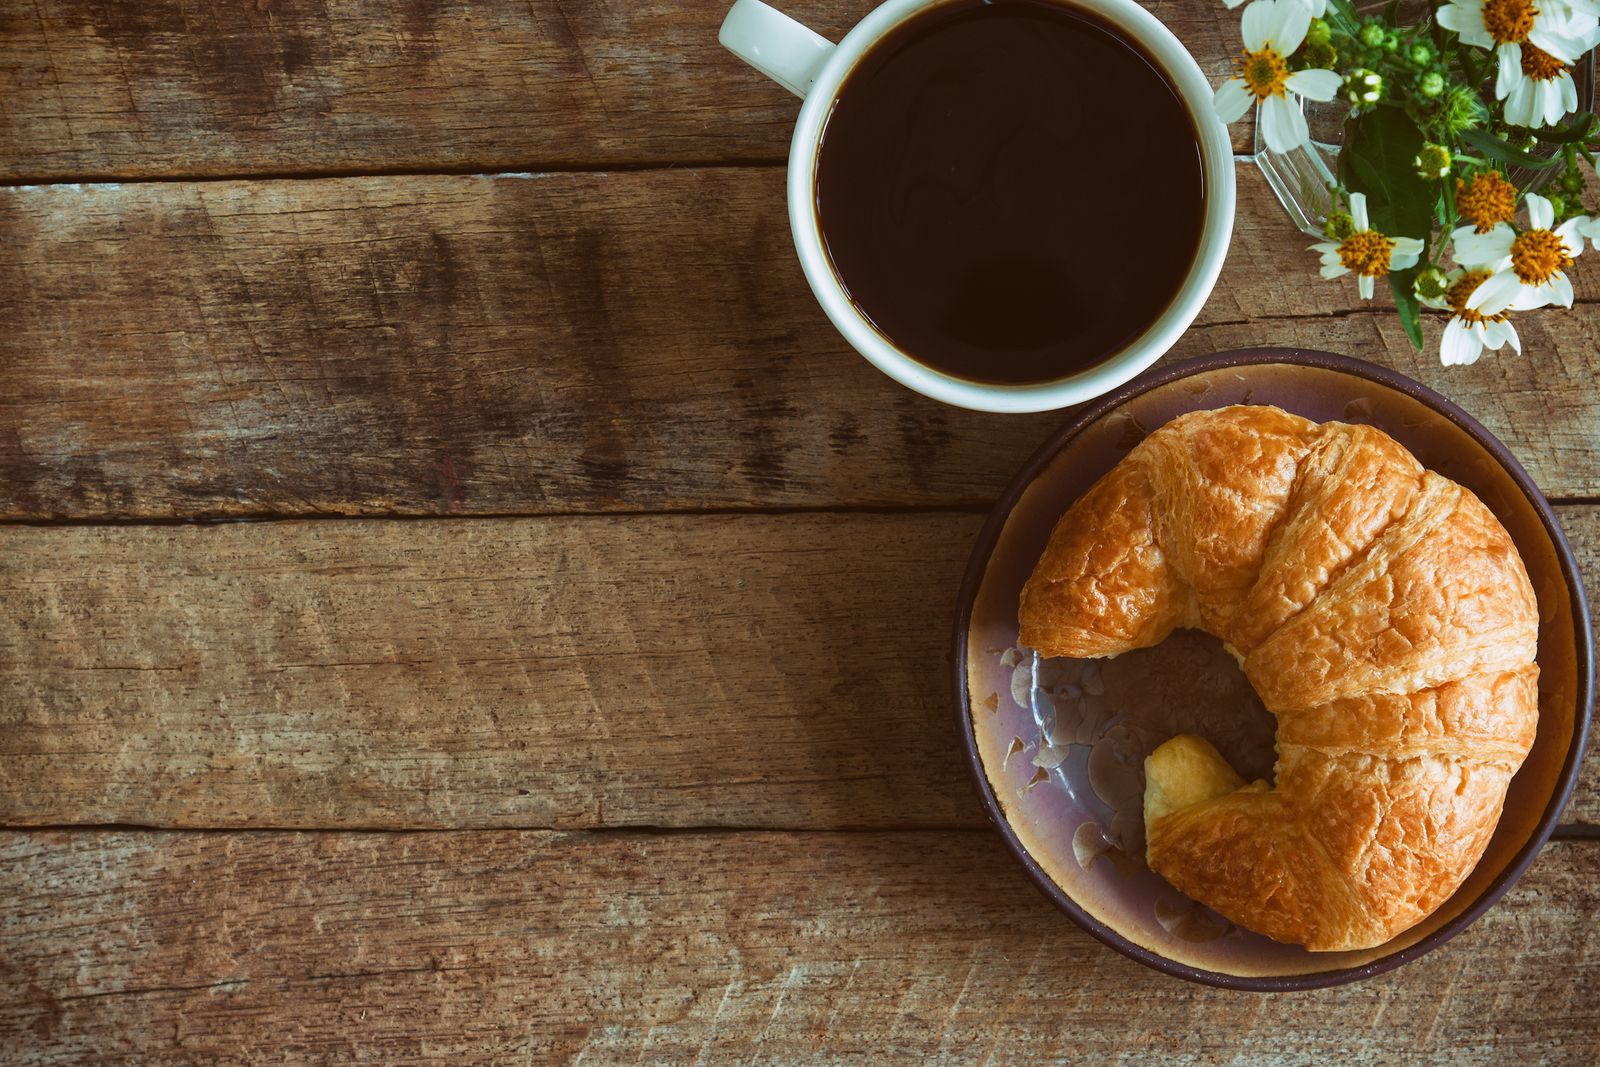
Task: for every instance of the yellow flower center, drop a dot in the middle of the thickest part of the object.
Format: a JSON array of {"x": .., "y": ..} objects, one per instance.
[
  {"x": 1459, "y": 293},
  {"x": 1538, "y": 255},
  {"x": 1264, "y": 72},
  {"x": 1509, "y": 21},
  {"x": 1367, "y": 253},
  {"x": 1485, "y": 200},
  {"x": 1539, "y": 65}
]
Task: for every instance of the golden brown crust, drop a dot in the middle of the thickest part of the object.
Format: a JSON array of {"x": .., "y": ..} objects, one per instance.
[
  {"x": 1246, "y": 856},
  {"x": 1465, "y": 718},
  {"x": 1437, "y": 597},
  {"x": 1104, "y": 587},
  {"x": 1382, "y": 613},
  {"x": 1355, "y": 483},
  {"x": 1222, "y": 485}
]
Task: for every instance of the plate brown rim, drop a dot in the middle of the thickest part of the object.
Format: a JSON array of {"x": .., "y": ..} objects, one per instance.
[{"x": 989, "y": 536}]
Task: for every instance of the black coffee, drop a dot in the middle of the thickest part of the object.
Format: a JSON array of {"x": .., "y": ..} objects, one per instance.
[{"x": 1009, "y": 189}]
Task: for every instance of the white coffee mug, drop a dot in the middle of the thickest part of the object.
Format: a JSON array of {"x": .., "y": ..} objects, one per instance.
[{"x": 813, "y": 68}]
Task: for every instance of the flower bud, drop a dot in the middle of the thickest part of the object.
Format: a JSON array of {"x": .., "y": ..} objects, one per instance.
[
  {"x": 1363, "y": 86},
  {"x": 1558, "y": 203},
  {"x": 1319, "y": 32},
  {"x": 1433, "y": 162},
  {"x": 1320, "y": 55},
  {"x": 1391, "y": 41},
  {"x": 1421, "y": 54},
  {"x": 1340, "y": 225},
  {"x": 1371, "y": 33},
  {"x": 1572, "y": 182},
  {"x": 1431, "y": 84},
  {"x": 1461, "y": 110},
  {"x": 1431, "y": 283}
]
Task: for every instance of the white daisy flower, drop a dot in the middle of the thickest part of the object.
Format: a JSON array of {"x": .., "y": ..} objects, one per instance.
[
  {"x": 1528, "y": 269},
  {"x": 1273, "y": 30},
  {"x": 1534, "y": 43},
  {"x": 1368, "y": 253},
  {"x": 1560, "y": 28},
  {"x": 1537, "y": 87},
  {"x": 1469, "y": 332}
]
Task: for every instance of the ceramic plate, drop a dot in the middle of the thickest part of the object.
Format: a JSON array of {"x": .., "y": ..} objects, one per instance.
[{"x": 1057, "y": 746}]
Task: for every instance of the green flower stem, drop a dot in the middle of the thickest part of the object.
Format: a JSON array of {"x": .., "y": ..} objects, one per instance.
[{"x": 1449, "y": 205}]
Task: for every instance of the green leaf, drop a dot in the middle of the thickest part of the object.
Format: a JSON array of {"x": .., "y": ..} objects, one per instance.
[
  {"x": 1341, "y": 15},
  {"x": 1379, "y": 159},
  {"x": 1401, "y": 283},
  {"x": 1500, "y": 152},
  {"x": 1576, "y": 130}
]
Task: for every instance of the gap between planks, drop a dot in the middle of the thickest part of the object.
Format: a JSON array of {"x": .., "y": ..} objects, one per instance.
[
  {"x": 467, "y": 170},
  {"x": 974, "y": 507},
  {"x": 1577, "y": 832}
]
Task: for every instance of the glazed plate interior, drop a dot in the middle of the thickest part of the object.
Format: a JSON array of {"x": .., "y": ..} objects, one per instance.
[{"x": 1060, "y": 743}]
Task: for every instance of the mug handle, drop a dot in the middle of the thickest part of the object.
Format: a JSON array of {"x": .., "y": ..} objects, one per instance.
[{"x": 775, "y": 44}]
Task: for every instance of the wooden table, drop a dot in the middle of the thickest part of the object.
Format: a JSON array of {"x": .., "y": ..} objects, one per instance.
[{"x": 459, "y": 599}]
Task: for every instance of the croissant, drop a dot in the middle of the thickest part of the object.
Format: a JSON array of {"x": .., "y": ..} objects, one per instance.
[{"x": 1382, "y": 614}]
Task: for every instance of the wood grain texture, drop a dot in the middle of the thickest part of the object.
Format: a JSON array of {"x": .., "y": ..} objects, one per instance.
[
  {"x": 558, "y": 343},
  {"x": 768, "y": 671},
  {"x": 765, "y": 671},
  {"x": 750, "y": 948},
  {"x": 164, "y": 87},
  {"x": 545, "y": 344}
]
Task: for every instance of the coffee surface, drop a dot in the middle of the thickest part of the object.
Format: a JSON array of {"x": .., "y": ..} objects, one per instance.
[{"x": 1009, "y": 189}]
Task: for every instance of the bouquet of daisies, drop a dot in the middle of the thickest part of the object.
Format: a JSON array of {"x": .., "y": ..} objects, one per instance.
[{"x": 1460, "y": 176}]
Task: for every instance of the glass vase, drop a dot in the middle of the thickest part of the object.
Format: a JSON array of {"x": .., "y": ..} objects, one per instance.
[{"x": 1303, "y": 178}]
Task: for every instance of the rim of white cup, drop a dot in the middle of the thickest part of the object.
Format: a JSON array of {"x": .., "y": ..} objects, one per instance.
[{"x": 1217, "y": 165}]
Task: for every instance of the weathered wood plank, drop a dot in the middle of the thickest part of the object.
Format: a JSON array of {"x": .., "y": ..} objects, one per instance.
[
  {"x": 772, "y": 671},
  {"x": 164, "y": 87},
  {"x": 750, "y": 948},
  {"x": 559, "y": 343}
]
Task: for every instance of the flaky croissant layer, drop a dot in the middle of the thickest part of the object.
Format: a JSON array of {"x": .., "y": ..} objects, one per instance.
[{"x": 1383, "y": 615}]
